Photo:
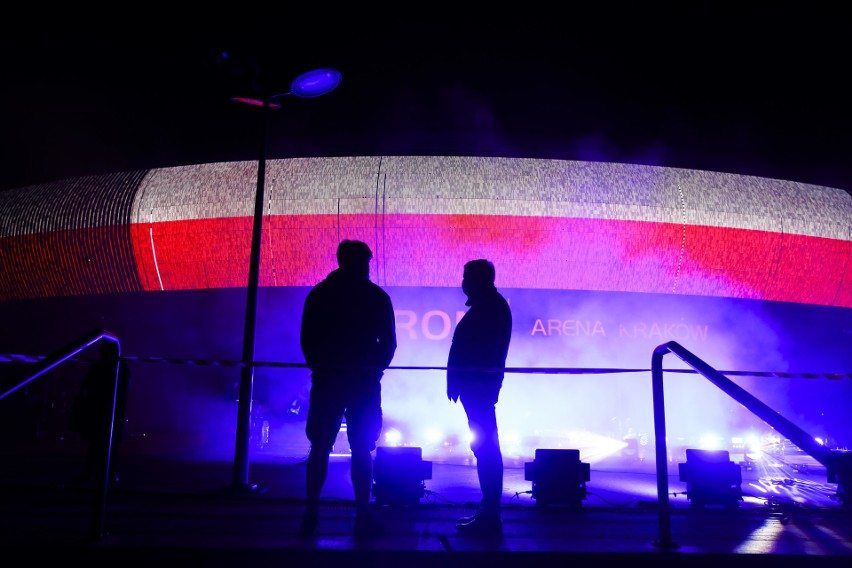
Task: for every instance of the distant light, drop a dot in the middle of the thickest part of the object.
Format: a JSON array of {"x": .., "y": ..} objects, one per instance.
[
  {"x": 710, "y": 442},
  {"x": 753, "y": 442},
  {"x": 393, "y": 437},
  {"x": 434, "y": 436},
  {"x": 512, "y": 438},
  {"x": 315, "y": 83}
]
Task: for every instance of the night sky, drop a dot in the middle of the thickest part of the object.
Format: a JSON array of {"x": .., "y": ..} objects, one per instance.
[{"x": 740, "y": 92}]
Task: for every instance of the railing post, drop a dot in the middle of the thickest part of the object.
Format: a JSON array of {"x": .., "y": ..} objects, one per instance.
[
  {"x": 100, "y": 496},
  {"x": 99, "y": 499},
  {"x": 665, "y": 539}
]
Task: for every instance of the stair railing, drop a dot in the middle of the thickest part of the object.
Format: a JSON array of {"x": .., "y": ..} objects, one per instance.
[
  {"x": 54, "y": 360},
  {"x": 838, "y": 465}
]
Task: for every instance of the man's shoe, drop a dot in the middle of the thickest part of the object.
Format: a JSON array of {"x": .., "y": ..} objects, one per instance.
[
  {"x": 481, "y": 525},
  {"x": 466, "y": 520},
  {"x": 310, "y": 519},
  {"x": 367, "y": 527}
]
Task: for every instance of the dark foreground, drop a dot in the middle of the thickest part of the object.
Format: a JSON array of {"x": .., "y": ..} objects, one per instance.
[{"x": 179, "y": 510}]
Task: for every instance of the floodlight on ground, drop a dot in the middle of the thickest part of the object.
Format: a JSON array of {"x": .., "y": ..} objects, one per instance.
[
  {"x": 711, "y": 478},
  {"x": 399, "y": 473},
  {"x": 840, "y": 472},
  {"x": 558, "y": 477}
]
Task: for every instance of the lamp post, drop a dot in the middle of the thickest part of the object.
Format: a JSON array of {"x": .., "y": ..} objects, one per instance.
[{"x": 307, "y": 85}]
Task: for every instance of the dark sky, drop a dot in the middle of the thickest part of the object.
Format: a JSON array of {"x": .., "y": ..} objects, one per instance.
[{"x": 742, "y": 92}]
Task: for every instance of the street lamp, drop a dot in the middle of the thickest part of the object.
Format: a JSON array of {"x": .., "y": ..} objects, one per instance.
[{"x": 307, "y": 85}]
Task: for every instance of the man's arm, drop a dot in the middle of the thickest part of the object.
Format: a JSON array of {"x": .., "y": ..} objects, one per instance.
[
  {"x": 387, "y": 337},
  {"x": 308, "y": 332}
]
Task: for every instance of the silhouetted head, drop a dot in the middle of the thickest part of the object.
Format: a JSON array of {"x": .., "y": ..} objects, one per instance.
[
  {"x": 478, "y": 275},
  {"x": 354, "y": 256}
]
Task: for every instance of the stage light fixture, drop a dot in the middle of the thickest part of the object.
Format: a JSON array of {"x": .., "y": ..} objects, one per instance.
[
  {"x": 399, "y": 473},
  {"x": 558, "y": 477},
  {"x": 840, "y": 472},
  {"x": 711, "y": 478}
]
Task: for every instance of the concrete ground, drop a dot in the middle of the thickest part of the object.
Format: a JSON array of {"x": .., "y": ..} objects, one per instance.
[{"x": 171, "y": 508}]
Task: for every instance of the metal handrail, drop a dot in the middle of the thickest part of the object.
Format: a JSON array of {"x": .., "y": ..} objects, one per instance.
[
  {"x": 799, "y": 437},
  {"x": 57, "y": 358}
]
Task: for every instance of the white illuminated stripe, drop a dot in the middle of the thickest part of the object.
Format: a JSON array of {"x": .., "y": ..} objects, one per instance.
[
  {"x": 154, "y": 254},
  {"x": 438, "y": 185}
]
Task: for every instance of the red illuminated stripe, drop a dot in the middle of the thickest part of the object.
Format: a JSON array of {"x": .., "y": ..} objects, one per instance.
[
  {"x": 67, "y": 263},
  {"x": 533, "y": 252}
]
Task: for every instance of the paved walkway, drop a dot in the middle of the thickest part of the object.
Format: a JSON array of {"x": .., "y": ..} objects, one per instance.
[{"x": 173, "y": 510}]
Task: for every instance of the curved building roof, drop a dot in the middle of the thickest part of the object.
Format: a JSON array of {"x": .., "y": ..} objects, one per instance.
[{"x": 548, "y": 224}]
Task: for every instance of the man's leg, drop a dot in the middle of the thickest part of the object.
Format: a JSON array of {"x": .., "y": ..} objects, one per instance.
[
  {"x": 367, "y": 525},
  {"x": 321, "y": 428},
  {"x": 363, "y": 427},
  {"x": 489, "y": 468},
  {"x": 482, "y": 419},
  {"x": 489, "y": 458},
  {"x": 316, "y": 472},
  {"x": 362, "y": 479}
]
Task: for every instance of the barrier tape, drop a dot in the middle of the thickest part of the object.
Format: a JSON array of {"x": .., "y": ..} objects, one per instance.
[{"x": 18, "y": 358}]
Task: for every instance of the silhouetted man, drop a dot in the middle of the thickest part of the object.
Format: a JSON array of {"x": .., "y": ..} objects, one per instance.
[
  {"x": 348, "y": 338},
  {"x": 475, "y": 369}
]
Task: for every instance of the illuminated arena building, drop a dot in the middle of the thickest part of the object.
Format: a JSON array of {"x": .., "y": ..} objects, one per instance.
[{"x": 601, "y": 262}]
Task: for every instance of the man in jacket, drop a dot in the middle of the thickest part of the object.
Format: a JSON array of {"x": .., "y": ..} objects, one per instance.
[
  {"x": 475, "y": 370},
  {"x": 348, "y": 338}
]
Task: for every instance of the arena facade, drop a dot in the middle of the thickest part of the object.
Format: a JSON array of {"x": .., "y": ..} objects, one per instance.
[{"x": 601, "y": 262}]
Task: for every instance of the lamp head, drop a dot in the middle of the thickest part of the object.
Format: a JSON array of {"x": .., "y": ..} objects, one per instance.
[
  {"x": 315, "y": 83},
  {"x": 308, "y": 85}
]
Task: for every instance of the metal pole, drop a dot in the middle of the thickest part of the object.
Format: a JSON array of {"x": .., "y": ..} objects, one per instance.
[
  {"x": 662, "y": 458},
  {"x": 241, "y": 452},
  {"x": 104, "y": 466}
]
